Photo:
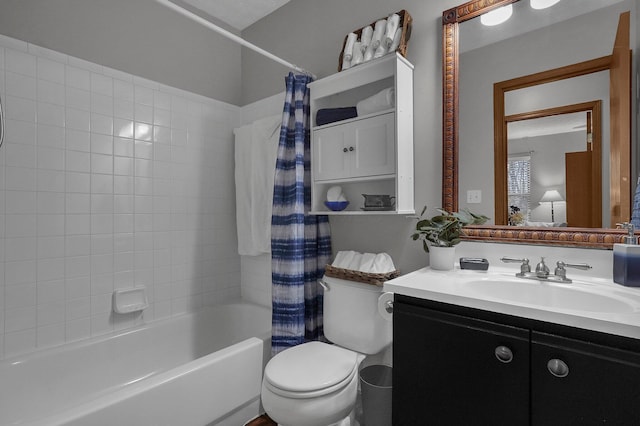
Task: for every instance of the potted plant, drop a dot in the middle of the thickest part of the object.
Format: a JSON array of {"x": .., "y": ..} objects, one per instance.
[
  {"x": 442, "y": 232},
  {"x": 516, "y": 218}
]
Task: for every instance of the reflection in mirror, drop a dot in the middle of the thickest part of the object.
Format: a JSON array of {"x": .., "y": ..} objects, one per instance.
[
  {"x": 553, "y": 159},
  {"x": 587, "y": 32}
]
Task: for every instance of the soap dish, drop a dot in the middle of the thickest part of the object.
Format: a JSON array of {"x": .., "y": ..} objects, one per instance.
[
  {"x": 474, "y": 263},
  {"x": 129, "y": 300}
]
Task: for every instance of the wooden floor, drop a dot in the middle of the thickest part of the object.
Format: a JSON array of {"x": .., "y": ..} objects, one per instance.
[{"x": 263, "y": 420}]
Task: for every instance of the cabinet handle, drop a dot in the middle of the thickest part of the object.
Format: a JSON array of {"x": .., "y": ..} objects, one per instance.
[
  {"x": 345, "y": 149},
  {"x": 558, "y": 367},
  {"x": 503, "y": 354},
  {"x": 351, "y": 148}
]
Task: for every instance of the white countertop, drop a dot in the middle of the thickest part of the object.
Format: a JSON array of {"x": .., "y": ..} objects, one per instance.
[{"x": 465, "y": 288}]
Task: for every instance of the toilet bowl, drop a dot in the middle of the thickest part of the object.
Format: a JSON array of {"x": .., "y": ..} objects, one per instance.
[
  {"x": 313, "y": 384},
  {"x": 316, "y": 383}
]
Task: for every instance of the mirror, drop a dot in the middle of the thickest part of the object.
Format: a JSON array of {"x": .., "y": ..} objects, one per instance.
[{"x": 454, "y": 148}]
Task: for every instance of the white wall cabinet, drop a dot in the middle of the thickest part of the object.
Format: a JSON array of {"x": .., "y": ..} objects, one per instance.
[{"x": 371, "y": 154}]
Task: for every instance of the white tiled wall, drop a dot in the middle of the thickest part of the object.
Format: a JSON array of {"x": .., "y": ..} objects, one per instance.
[{"x": 107, "y": 181}]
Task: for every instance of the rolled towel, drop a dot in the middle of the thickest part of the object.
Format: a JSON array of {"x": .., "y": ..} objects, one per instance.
[
  {"x": 345, "y": 64},
  {"x": 382, "y": 100},
  {"x": 366, "y": 262},
  {"x": 381, "y": 51},
  {"x": 393, "y": 21},
  {"x": 378, "y": 33},
  {"x": 358, "y": 57},
  {"x": 354, "y": 262},
  {"x": 346, "y": 259},
  {"x": 383, "y": 264},
  {"x": 365, "y": 37},
  {"x": 396, "y": 40},
  {"x": 348, "y": 46},
  {"x": 341, "y": 259},
  {"x": 368, "y": 54}
]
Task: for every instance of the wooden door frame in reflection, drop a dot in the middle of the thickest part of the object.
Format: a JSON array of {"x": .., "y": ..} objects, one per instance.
[
  {"x": 500, "y": 122},
  {"x": 593, "y": 110}
]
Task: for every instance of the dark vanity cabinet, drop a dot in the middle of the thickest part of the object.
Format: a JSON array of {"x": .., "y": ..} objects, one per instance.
[
  {"x": 462, "y": 366},
  {"x": 602, "y": 384},
  {"x": 446, "y": 370}
]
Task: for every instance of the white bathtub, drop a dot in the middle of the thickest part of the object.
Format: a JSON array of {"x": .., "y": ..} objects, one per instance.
[{"x": 194, "y": 369}]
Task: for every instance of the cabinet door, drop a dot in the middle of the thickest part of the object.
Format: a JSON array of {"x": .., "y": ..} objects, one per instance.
[
  {"x": 600, "y": 385},
  {"x": 356, "y": 149},
  {"x": 329, "y": 155},
  {"x": 446, "y": 371},
  {"x": 373, "y": 145}
]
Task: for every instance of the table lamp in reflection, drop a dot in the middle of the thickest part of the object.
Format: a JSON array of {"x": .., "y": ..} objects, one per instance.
[{"x": 551, "y": 196}]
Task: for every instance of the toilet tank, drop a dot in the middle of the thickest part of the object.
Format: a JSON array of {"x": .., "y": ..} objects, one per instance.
[{"x": 351, "y": 317}]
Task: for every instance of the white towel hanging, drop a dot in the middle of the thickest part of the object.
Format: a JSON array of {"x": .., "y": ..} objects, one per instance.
[{"x": 256, "y": 150}]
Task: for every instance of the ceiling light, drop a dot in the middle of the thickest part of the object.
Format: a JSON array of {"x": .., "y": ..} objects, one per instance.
[
  {"x": 497, "y": 16},
  {"x": 542, "y": 4}
]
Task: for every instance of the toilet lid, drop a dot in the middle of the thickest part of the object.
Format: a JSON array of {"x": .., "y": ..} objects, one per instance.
[{"x": 310, "y": 367}]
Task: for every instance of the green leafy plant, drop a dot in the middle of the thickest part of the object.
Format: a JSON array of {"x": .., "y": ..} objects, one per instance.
[{"x": 444, "y": 229}]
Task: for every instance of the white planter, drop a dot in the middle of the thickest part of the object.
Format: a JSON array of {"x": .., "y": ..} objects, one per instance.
[{"x": 442, "y": 258}]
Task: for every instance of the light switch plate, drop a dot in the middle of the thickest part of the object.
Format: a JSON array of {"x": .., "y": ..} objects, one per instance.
[{"x": 474, "y": 196}]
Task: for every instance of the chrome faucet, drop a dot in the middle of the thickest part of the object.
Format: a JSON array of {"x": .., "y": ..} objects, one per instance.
[{"x": 542, "y": 272}]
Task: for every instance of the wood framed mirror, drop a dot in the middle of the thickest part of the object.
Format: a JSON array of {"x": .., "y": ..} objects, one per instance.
[{"x": 581, "y": 237}]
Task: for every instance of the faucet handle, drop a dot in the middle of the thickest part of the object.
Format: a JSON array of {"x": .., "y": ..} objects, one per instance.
[
  {"x": 524, "y": 267},
  {"x": 561, "y": 272},
  {"x": 582, "y": 266},
  {"x": 542, "y": 270}
]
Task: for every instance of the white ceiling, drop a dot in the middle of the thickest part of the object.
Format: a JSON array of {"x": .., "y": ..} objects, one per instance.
[
  {"x": 474, "y": 35},
  {"x": 238, "y": 13},
  {"x": 563, "y": 123},
  {"x": 525, "y": 19}
]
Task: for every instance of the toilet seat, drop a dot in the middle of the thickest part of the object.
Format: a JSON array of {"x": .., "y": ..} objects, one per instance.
[{"x": 310, "y": 370}]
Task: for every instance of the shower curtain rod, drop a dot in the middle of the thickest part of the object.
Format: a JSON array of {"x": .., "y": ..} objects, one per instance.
[{"x": 232, "y": 36}]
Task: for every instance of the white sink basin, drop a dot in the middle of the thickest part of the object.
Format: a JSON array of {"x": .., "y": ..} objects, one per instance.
[
  {"x": 590, "y": 303},
  {"x": 573, "y": 297}
]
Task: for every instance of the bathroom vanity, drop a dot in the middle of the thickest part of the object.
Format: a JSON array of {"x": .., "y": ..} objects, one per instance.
[{"x": 485, "y": 348}]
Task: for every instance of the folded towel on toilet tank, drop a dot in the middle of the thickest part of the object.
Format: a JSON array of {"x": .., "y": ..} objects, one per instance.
[{"x": 379, "y": 263}]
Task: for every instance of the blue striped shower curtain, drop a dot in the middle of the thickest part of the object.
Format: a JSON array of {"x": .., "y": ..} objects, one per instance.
[{"x": 300, "y": 243}]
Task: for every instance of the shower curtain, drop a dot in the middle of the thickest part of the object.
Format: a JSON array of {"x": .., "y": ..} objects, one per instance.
[{"x": 300, "y": 243}]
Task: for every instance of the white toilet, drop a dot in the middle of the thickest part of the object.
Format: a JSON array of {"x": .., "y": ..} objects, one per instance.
[{"x": 316, "y": 384}]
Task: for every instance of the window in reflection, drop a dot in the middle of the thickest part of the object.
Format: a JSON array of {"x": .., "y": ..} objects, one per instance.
[{"x": 519, "y": 188}]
